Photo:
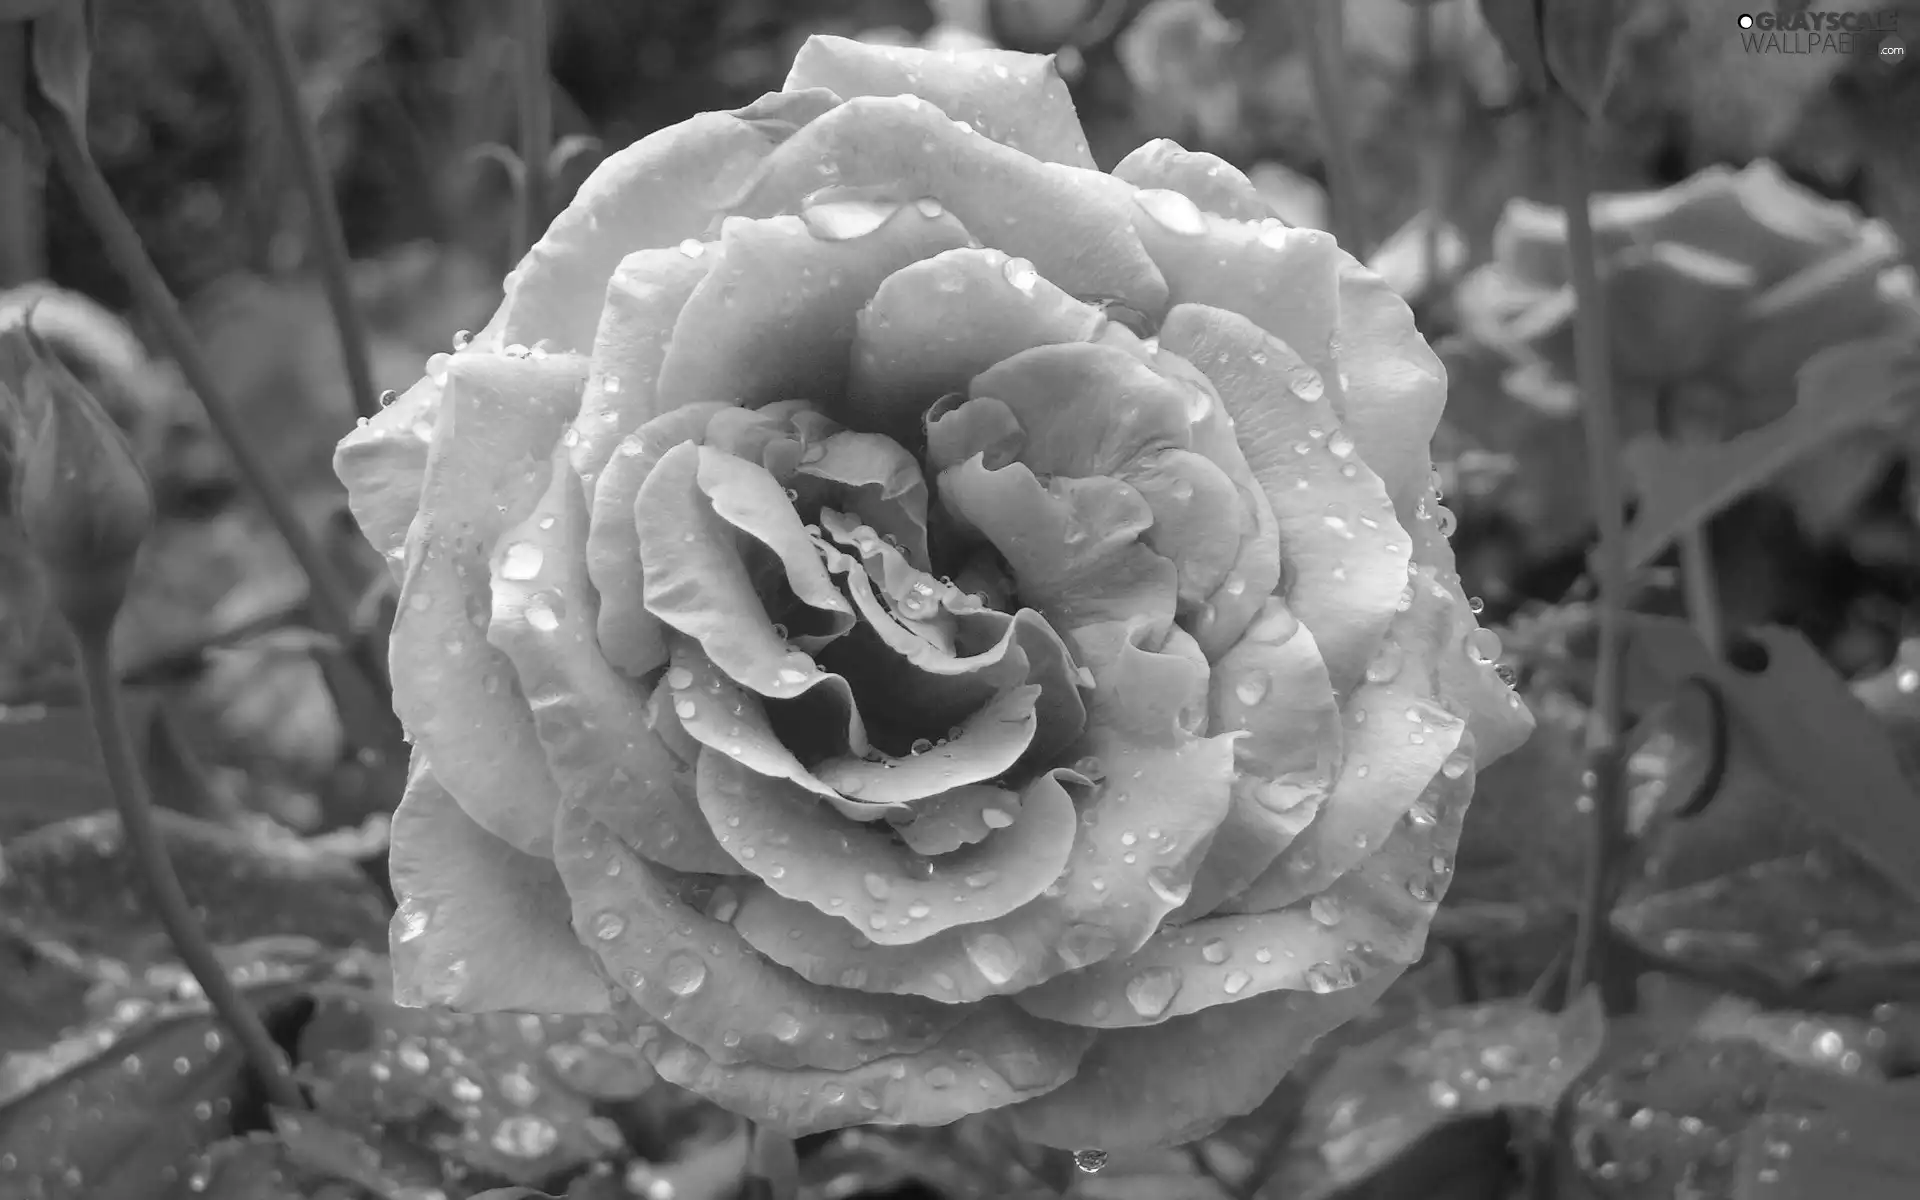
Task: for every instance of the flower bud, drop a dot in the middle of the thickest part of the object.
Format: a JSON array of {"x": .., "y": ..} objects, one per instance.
[{"x": 79, "y": 494}]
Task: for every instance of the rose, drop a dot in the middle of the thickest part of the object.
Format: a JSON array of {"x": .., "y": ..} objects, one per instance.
[
  {"x": 1719, "y": 289},
  {"x": 885, "y": 670}
]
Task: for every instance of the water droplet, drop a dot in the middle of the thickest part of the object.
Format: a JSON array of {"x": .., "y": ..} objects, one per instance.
[
  {"x": 1172, "y": 210},
  {"x": 918, "y": 910},
  {"x": 1475, "y": 604},
  {"x": 980, "y": 879},
  {"x": 413, "y": 1056},
  {"x": 685, "y": 973},
  {"x": 524, "y": 1135},
  {"x": 437, "y": 368},
  {"x": 995, "y": 818},
  {"x": 1386, "y": 664},
  {"x": 1182, "y": 490},
  {"x": 609, "y": 925},
  {"x": 413, "y": 921},
  {"x": 693, "y": 248},
  {"x": 1324, "y": 977},
  {"x": 540, "y": 615},
  {"x": 994, "y": 957},
  {"x": 518, "y": 1087},
  {"x": 679, "y": 679},
  {"x": 1215, "y": 951},
  {"x": 467, "y": 1091},
  {"x": 940, "y": 1077},
  {"x": 877, "y": 886},
  {"x": 1324, "y": 910},
  {"x": 1090, "y": 1161},
  {"x": 1483, "y": 646},
  {"x": 791, "y": 676},
  {"x": 1444, "y": 520},
  {"x": 1235, "y": 982},
  {"x": 521, "y": 562},
  {"x": 1456, "y": 766},
  {"x": 1152, "y": 990},
  {"x": 1339, "y": 444},
  {"x": 786, "y": 1027},
  {"x": 1276, "y": 626},
  {"x": 1166, "y": 885},
  {"x": 1443, "y": 1095},
  {"x": 1092, "y": 768},
  {"x": 388, "y": 397},
  {"x": 920, "y": 746},
  {"x": 1252, "y": 687},
  {"x": 1021, "y": 275}
]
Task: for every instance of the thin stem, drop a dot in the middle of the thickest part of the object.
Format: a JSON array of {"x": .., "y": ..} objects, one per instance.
[
  {"x": 1605, "y": 761},
  {"x": 331, "y": 598},
  {"x": 163, "y": 885},
  {"x": 1326, "y": 53},
  {"x": 324, "y": 213},
  {"x": 535, "y": 96},
  {"x": 1699, "y": 589}
]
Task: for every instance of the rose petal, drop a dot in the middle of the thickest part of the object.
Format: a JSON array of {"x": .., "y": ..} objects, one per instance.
[
  {"x": 632, "y": 638},
  {"x": 996, "y": 1056},
  {"x": 880, "y": 482},
  {"x": 591, "y": 720},
  {"x": 1208, "y": 180},
  {"x": 931, "y": 327},
  {"x": 1372, "y": 919},
  {"x": 1392, "y": 385},
  {"x": 481, "y": 927},
  {"x": 774, "y": 318},
  {"x": 1072, "y": 223},
  {"x": 990, "y": 740},
  {"x": 962, "y": 817},
  {"x": 1396, "y": 739},
  {"x": 1272, "y": 685},
  {"x": 1018, "y": 100},
  {"x": 805, "y": 851},
  {"x": 643, "y": 299},
  {"x": 692, "y": 974},
  {"x": 657, "y": 192},
  {"x": 1338, "y": 532},
  {"x": 383, "y": 464},
  {"x": 452, "y": 690},
  {"x": 692, "y": 513}
]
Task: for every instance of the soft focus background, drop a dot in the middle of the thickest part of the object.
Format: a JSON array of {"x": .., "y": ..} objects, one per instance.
[{"x": 1770, "y": 1033}]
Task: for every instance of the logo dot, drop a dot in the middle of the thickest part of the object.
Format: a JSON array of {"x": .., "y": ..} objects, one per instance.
[
  {"x": 1746, "y": 21},
  {"x": 1893, "y": 50}
]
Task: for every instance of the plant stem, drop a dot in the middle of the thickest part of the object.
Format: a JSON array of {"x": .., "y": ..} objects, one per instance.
[
  {"x": 1569, "y": 145},
  {"x": 163, "y": 885},
  {"x": 1700, "y": 589},
  {"x": 322, "y": 210},
  {"x": 331, "y": 599},
  {"x": 1326, "y": 66},
  {"x": 535, "y": 94}
]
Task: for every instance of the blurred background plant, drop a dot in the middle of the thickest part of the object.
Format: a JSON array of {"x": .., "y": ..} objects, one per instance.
[{"x": 1755, "y": 251}]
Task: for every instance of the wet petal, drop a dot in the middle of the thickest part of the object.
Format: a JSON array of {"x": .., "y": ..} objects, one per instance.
[
  {"x": 1272, "y": 685},
  {"x": 691, "y": 972},
  {"x": 997, "y": 1056},
  {"x": 1072, "y": 223},
  {"x": 883, "y": 486},
  {"x": 696, "y": 510},
  {"x": 592, "y": 721},
  {"x": 632, "y": 638},
  {"x": 1392, "y": 385},
  {"x": 962, "y": 817},
  {"x": 383, "y": 464},
  {"x": 1073, "y": 545},
  {"x": 481, "y": 927},
  {"x": 644, "y": 298},
  {"x": 989, "y": 742},
  {"x": 774, "y": 319},
  {"x": 453, "y": 691},
  {"x": 803, "y": 850},
  {"x": 1208, "y": 180},
  {"x": 1018, "y": 100},
  {"x": 1338, "y": 532},
  {"x": 933, "y": 326},
  {"x": 657, "y": 192}
]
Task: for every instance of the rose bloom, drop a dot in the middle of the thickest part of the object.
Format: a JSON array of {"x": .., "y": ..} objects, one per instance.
[{"x": 917, "y": 625}]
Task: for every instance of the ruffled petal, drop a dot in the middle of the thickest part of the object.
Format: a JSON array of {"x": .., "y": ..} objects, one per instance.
[
  {"x": 593, "y": 721},
  {"x": 964, "y": 816},
  {"x": 774, "y": 318},
  {"x": 995, "y": 1057},
  {"x": 1208, "y": 180},
  {"x": 453, "y": 691},
  {"x": 1072, "y": 223},
  {"x": 933, "y": 326},
  {"x": 383, "y": 464},
  {"x": 643, "y": 300},
  {"x": 481, "y": 927},
  {"x": 691, "y": 973},
  {"x": 657, "y": 192},
  {"x": 1392, "y": 385},
  {"x": 1338, "y": 534},
  {"x": 1018, "y": 100},
  {"x": 805, "y": 851},
  {"x": 633, "y": 639}
]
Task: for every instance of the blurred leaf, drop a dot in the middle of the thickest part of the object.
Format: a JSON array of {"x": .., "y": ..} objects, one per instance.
[
  {"x": 330, "y": 1151},
  {"x": 510, "y": 1095},
  {"x": 773, "y": 1166},
  {"x": 1822, "y": 1136},
  {"x": 1804, "y": 723},
  {"x": 74, "y": 883},
  {"x": 113, "y": 1107},
  {"x": 50, "y": 762},
  {"x": 39, "y": 994},
  {"x": 1580, "y": 40},
  {"x": 1849, "y": 1046},
  {"x": 1783, "y": 925},
  {"x": 1517, "y": 26},
  {"x": 254, "y": 1167},
  {"x": 1382, "y": 1098},
  {"x": 63, "y": 57},
  {"x": 1841, "y": 389}
]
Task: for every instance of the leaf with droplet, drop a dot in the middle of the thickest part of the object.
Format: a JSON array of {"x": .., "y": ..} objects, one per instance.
[
  {"x": 114, "y": 1106},
  {"x": 1382, "y": 1097},
  {"x": 73, "y": 883},
  {"x": 1822, "y": 1136},
  {"x": 332, "y": 1151},
  {"x": 1842, "y": 389},
  {"x": 1805, "y": 725}
]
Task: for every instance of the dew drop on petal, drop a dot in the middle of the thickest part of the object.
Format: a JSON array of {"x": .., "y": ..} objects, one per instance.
[
  {"x": 1386, "y": 664},
  {"x": 1166, "y": 885},
  {"x": 994, "y": 957},
  {"x": 1252, "y": 687},
  {"x": 1483, "y": 645},
  {"x": 1215, "y": 951},
  {"x": 1172, "y": 210},
  {"x": 413, "y": 921},
  {"x": 679, "y": 679},
  {"x": 1324, "y": 910},
  {"x": 1339, "y": 444},
  {"x": 786, "y": 1027},
  {"x": 524, "y": 1135},
  {"x": 1323, "y": 977},
  {"x": 693, "y": 248},
  {"x": 1455, "y": 766},
  {"x": 1235, "y": 982},
  {"x": 541, "y": 616},
  {"x": 1021, "y": 275},
  {"x": 521, "y": 562},
  {"x": 608, "y": 926},
  {"x": 685, "y": 974},
  {"x": 877, "y": 886},
  {"x": 1152, "y": 990},
  {"x": 995, "y": 818},
  {"x": 1090, "y": 1161}
]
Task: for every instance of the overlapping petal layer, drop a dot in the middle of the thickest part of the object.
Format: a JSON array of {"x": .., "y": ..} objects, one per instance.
[{"x": 924, "y": 626}]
